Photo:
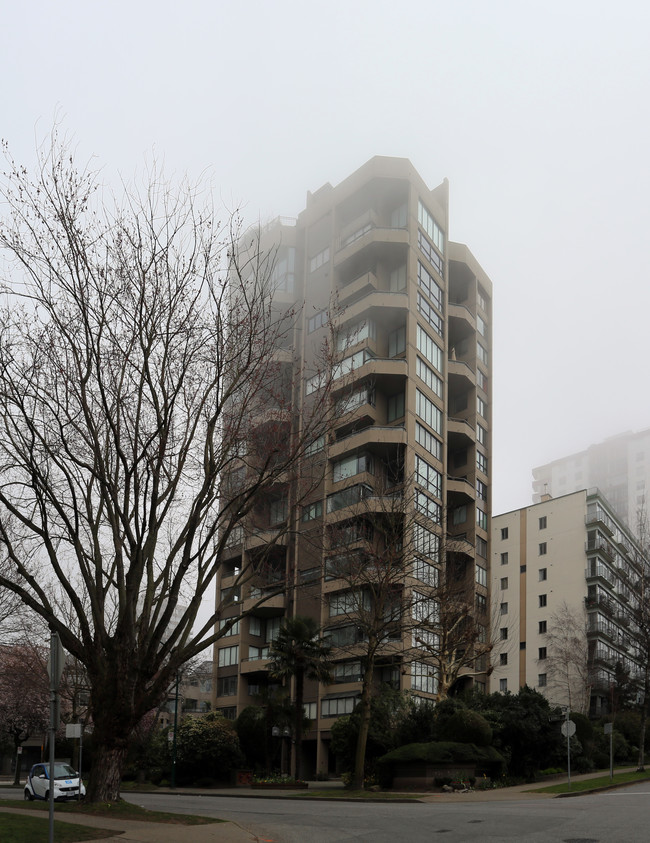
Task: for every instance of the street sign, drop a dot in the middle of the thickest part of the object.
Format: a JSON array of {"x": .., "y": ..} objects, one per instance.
[
  {"x": 73, "y": 730},
  {"x": 609, "y": 728},
  {"x": 56, "y": 661},
  {"x": 568, "y": 728}
]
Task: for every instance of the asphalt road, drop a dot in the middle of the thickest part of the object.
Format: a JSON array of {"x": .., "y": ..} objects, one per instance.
[{"x": 621, "y": 816}]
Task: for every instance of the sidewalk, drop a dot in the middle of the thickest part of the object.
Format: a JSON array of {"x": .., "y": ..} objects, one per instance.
[{"x": 142, "y": 832}]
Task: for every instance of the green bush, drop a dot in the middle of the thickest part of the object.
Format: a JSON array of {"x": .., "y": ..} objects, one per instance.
[
  {"x": 207, "y": 746},
  {"x": 486, "y": 759},
  {"x": 466, "y": 726}
]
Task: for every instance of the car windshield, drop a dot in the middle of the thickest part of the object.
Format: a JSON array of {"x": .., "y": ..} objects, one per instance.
[{"x": 61, "y": 771}]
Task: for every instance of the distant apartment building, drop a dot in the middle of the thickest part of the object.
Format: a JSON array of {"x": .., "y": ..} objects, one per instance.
[
  {"x": 565, "y": 575},
  {"x": 411, "y": 406},
  {"x": 619, "y": 467}
]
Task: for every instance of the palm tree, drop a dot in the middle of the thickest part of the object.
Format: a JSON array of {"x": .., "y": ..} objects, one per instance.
[{"x": 300, "y": 653}]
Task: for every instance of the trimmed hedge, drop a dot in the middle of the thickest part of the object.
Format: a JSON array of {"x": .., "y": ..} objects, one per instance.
[{"x": 486, "y": 758}]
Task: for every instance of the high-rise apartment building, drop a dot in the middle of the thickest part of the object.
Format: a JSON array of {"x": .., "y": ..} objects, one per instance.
[
  {"x": 369, "y": 263},
  {"x": 565, "y": 583},
  {"x": 619, "y": 467}
]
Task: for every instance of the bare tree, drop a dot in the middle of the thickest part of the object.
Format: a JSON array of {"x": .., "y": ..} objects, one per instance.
[
  {"x": 136, "y": 348},
  {"x": 567, "y": 660},
  {"x": 400, "y": 598},
  {"x": 24, "y": 696}
]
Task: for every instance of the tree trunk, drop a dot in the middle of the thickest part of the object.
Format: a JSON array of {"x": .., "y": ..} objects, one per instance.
[
  {"x": 300, "y": 688},
  {"x": 106, "y": 774},
  {"x": 364, "y": 727}
]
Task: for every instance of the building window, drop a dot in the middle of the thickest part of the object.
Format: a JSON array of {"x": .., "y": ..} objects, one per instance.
[
  {"x": 427, "y": 506},
  {"x": 398, "y": 279},
  {"x": 422, "y": 678},
  {"x": 351, "y": 466},
  {"x": 522, "y": 645},
  {"x": 314, "y": 383},
  {"x": 481, "y": 434},
  {"x": 542, "y": 548},
  {"x": 482, "y": 299},
  {"x": 425, "y": 542},
  {"x": 234, "y": 629},
  {"x": 427, "y": 476},
  {"x": 481, "y": 518},
  {"x": 425, "y": 438},
  {"x": 310, "y": 710},
  {"x": 430, "y": 254},
  {"x": 459, "y": 515},
  {"x": 503, "y": 659},
  {"x": 481, "y": 407},
  {"x": 481, "y": 490},
  {"x": 542, "y": 574},
  {"x": 428, "y": 376},
  {"x": 354, "y": 333},
  {"x": 503, "y": 685},
  {"x": 481, "y": 603},
  {"x": 504, "y": 583},
  {"x": 431, "y": 228},
  {"x": 318, "y": 260},
  {"x": 481, "y": 547},
  {"x": 397, "y": 341},
  {"x": 542, "y": 601},
  {"x": 429, "y": 285},
  {"x": 541, "y": 680},
  {"x": 425, "y": 572},
  {"x": 336, "y": 706},
  {"x": 431, "y": 351},
  {"x": 226, "y": 686},
  {"x": 504, "y": 608},
  {"x": 348, "y": 497},
  {"x": 481, "y": 462},
  {"x": 504, "y": 533},
  {"x": 481, "y": 325},
  {"x": 348, "y": 672},
  {"x": 315, "y": 446},
  {"x": 504, "y": 558},
  {"x": 431, "y": 315},
  {"x": 312, "y": 510},
  {"x": 396, "y": 407},
  {"x": 481, "y": 576},
  {"x": 542, "y": 653},
  {"x": 481, "y": 353},
  {"x": 542, "y": 522},
  {"x": 542, "y": 628},
  {"x": 482, "y": 380},
  {"x": 428, "y": 411},
  {"x": 503, "y": 633},
  {"x": 317, "y": 321},
  {"x": 228, "y": 656}
]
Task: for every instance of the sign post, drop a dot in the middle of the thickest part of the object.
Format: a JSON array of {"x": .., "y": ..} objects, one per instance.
[
  {"x": 55, "y": 669},
  {"x": 609, "y": 730},
  {"x": 568, "y": 730}
]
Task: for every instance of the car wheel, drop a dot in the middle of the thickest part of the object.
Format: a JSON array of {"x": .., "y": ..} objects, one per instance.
[{"x": 28, "y": 796}]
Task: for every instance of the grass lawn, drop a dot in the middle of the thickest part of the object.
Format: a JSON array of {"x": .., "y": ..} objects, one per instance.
[
  {"x": 589, "y": 784},
  {"x": 120, "y": 810},
  {"x": 25, "y": 829}
]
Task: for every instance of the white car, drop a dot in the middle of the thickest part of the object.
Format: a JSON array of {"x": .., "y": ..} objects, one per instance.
[{"x": 66, "y": 782}]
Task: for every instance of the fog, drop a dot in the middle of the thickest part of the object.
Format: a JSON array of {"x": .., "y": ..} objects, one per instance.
[{"x": 536, "y": 112}]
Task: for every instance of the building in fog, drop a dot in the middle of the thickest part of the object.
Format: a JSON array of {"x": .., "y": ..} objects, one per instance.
[
  {"x": 619, "y": 467},
  {"x": 564, "y": 576},
  {"x": 411, "y": 406}
]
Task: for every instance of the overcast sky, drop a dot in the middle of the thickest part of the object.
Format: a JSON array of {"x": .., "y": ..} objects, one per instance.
[{"x": 537, "y": 113}]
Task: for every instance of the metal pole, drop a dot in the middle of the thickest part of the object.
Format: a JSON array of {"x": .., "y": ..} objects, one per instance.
[
  {"x": 178, "y": 678},
  {"x": 568, "y": 746},
  {"x": 81, "y": 755},
  {"x": 54, "y": 681}
]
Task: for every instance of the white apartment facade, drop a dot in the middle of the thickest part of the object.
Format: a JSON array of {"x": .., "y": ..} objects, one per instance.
[{"x": 563, "y": 579}]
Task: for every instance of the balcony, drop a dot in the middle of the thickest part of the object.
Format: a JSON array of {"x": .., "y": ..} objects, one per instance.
[
  {"x": 359, "y": 288},
  {"x": 255, "y": 664},
  {"x": 271, "y": 606},
  {"x": 375, "y": 241},
  {"x": 387, "y": 372},
  {"x": 375, "y": 438},
  {"x": 601, "y": 572},
  {"x": 460, "y": 429},
  {"x": 461, "y": 489},
  {"x": 375, "y": 300},
  {"x": 460, "y": 369}
]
